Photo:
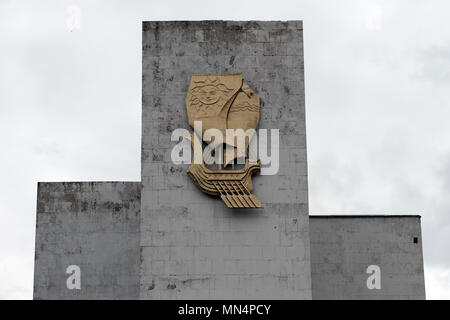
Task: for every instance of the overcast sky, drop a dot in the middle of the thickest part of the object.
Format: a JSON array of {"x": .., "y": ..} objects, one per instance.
[{"x": 377, "y": 108}]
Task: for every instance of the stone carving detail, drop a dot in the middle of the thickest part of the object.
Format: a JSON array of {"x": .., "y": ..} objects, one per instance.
[{"x": 225, "y": 101}]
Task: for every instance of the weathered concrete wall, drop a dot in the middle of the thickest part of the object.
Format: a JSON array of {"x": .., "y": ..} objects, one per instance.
[
  {"x": 94, "y": 225},
  {"x": 342, "y": 247},
  {"x": 186, "y": 244},
  {"x": 193, "y": 246}
]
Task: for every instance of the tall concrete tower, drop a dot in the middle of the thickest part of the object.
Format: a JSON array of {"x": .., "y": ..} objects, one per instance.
[
  {"x": 192, "y": 245},
  {"x": 163, "y": 238}
]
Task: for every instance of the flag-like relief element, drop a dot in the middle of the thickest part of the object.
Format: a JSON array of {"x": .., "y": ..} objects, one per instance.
[{"x": 223, "y": 102}]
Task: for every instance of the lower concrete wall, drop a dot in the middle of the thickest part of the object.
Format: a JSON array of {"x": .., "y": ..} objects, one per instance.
[
  {"x": 343, "y": 247},
  {"x": 94, "y": 225}
]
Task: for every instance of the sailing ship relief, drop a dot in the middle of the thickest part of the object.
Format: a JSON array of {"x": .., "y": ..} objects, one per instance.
[{"x": 224, "y": 102}]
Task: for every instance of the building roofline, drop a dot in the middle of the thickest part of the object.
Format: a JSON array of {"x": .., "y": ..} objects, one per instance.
[
  {"x": 367, "y": 216},
  {"x": 92, "y": 181}
]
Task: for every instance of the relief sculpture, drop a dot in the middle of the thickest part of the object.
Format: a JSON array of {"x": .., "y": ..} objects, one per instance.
[{"x": 225, "y": 102}]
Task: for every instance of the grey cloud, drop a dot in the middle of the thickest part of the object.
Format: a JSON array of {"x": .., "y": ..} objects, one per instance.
[{"x": 435, "y": 63}]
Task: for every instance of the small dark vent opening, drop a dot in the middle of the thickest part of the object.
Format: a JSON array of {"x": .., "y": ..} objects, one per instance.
[{"x": 415, "y": 239}]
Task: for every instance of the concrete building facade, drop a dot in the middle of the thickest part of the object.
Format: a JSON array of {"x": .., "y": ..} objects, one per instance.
[
  {"x": 92, "y": 225},
  {"x": 345, "y": 250},
  {"x": 162, "y": 238},
  {"x": 192, "y": 245}
]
